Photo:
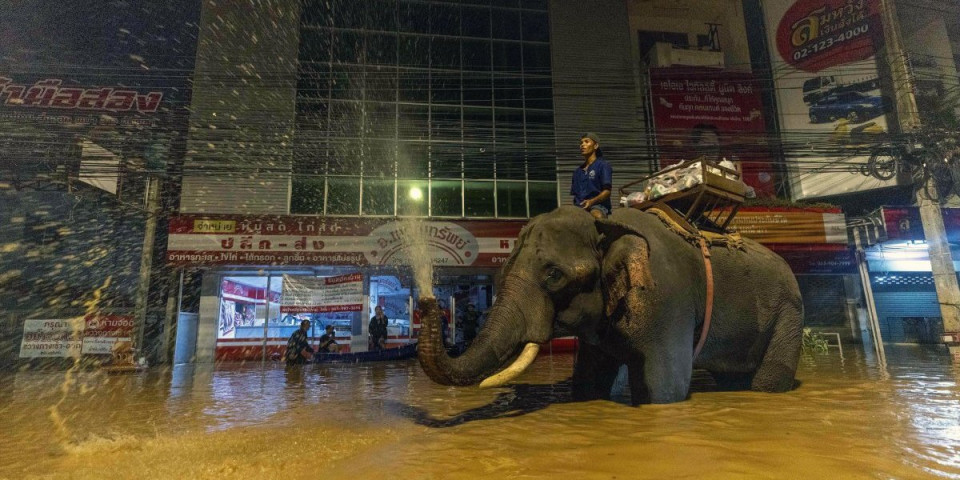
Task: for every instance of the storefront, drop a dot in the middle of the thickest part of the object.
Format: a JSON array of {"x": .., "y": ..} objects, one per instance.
[
  {"x": 263, "y": 275},
  {"x": 901, "y": 280},
  {"x": 254, "y": 266}
]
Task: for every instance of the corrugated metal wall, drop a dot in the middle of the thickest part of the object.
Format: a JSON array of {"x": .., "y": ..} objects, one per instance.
[
  {"x": 239, "y": 149},
  {"x": 595, "y": 89},
  {"x": 907, "y": 307}
]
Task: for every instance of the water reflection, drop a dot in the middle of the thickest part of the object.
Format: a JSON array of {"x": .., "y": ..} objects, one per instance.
[{"x": 850, "y": 418}]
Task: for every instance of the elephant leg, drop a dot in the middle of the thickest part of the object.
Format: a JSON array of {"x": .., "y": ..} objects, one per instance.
[
  {"x": 594, "y": 373},
  {"x": 661, "y": 376},
  {"x": 778, "y": 368}
]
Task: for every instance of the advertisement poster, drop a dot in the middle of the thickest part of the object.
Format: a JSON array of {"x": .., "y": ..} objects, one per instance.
[
  {"x": 828, "y": 89},
  {"x": 302, "y": 294},
  {"x": 714, "y": 113},
  {"x": 102, "y": 332},
  {"x": 52, "y": 338}
]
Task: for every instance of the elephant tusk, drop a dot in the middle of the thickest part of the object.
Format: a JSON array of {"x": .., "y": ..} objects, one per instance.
[{"x": 526, "y": 357}]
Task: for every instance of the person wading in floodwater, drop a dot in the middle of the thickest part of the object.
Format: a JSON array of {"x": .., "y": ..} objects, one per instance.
[{"x": 298, "y": 347}]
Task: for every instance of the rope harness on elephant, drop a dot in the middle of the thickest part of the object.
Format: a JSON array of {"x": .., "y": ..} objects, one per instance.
[{"x": 703, "y": 240}]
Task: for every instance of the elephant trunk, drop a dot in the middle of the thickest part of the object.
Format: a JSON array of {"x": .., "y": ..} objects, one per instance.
[{"x": 498, "y": 341}]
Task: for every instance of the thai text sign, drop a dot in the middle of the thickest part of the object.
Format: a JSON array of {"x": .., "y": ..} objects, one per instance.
[
  {"x": 292, "y": 240},
  {"x": 52, "y": 338},
  {"x": 102, "y": 332},
  {"x": 718, "y": 114},
  {"x": 303, "y": 294},
  {"x": 783, "y": 225}
]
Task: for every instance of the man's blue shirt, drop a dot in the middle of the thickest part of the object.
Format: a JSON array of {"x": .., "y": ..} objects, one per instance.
[{"x": 590, "y": 182}]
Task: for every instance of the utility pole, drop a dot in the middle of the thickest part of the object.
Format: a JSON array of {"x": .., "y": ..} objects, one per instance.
[
  {"x": 152, "y": 201},
  {"x": 928, "y": 201}
]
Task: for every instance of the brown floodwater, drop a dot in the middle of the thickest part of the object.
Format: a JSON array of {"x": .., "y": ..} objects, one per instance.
[{"x": 850, "y": 418}]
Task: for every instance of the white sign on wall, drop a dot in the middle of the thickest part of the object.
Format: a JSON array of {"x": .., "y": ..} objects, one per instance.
[
  {"x": 303, "y": 294},
  {"x": 52, "y": 338}
]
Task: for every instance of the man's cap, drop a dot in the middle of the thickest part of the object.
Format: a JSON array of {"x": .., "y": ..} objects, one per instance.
[{"x": 591, "y": 136}]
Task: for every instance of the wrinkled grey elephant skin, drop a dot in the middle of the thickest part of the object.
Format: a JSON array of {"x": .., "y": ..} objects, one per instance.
[{"x": 634, "y": 292}]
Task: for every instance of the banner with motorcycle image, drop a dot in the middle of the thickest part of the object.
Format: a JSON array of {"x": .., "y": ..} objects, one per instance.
[{"x": 828, "y": 91}]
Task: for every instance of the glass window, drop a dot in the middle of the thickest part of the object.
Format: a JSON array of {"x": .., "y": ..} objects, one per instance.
[
  {"x": 314, "y": 45},
  {"x": 543, "y": 197},
  {"x": 377, "y": 196},
  {"x": 536, "y": 59},
  {"x": 316, "y": 12},
  {"x": 509, "y": 124},
  {"x": 311, "y": 121},
  {"x": 478, "y": 199},
  {"x": 445, "y": 53},
  {"x": 445, "y": 87},
  {"x": 534, "y": 4},
  {"x": 538, "y": 93},
  {"x": 382, "y": 15},
  {"x": 446, "y": 198},
  {"x": 314, "y": 85},
  {"x": 378, "y": 158},
  {"x": 511, "y": 199},
  {"x": 381, "y": 48},
  {"x": 541, "y": 166},
  {"x": 505, "y": 3},
  {"x": 414, "y": 17},
  {"x": 506, "y": 24},
  {"x": 477, "y": 89},
  {"x": 508, "y": 91},
  {"x": 345, "y": 119},
  {"x": 414, "y": 85},
  {"x": 476, "y": 55},
  {"x": 413, "y": 159},
  {"x": 414, "y": 122},
  {"x": 475, "y": 22},
  {"x": 307, "y": 195},
  {"x": 344, "y": 157},
  {"x": 444, "y": 19},
  {"x": 445, "y": 160},
  {"x": 478, "y": 163},
  {"x": 414, "y": 51},
  {"x": 347, "y": 47},
  {"x": 381, "y": 120},
  {"x": 343, "y": 195},
  {"x": 311, "y": 157},
  {"x": 348, "y": 13},
  {"x": 506, "y": 56},
  {"x": 243, "y": 307},
  {"x": 510, "y": 164},
  {"x": 445, "y": 123},
  {"x": 381, "y": 84},
  {"x": 536, "y": 28},
  {"x": 346, "y": 82},
  {"x": 412, "y": 198}
]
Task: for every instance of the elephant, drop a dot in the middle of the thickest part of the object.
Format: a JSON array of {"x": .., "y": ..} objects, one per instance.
[{"x": 634, "y": 292}]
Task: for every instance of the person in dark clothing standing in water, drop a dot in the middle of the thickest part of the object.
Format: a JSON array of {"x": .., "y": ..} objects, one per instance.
[
  {"x": 328, "y": 341},
  {"x": 378, "y": 330},
  {"x": 298, "y": 347},
  {"x": 592, "y": 180}
]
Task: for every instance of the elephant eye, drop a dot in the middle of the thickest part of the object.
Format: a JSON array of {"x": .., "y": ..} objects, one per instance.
[{"x": 554, "y": 273}]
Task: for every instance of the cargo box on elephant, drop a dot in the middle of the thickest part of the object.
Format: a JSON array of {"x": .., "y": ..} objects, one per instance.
[{"x": 698, "y": 193}]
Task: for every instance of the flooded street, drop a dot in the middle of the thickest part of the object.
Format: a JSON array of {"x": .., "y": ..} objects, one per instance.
[{"x": 848, "y": 419}]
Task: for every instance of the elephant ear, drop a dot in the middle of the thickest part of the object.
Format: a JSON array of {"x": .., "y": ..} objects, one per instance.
[{"x": 625, "y": 265}]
